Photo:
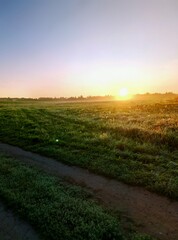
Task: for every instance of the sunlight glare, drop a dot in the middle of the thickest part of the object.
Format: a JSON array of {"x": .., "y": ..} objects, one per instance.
[{"x": 123, "y": 92}]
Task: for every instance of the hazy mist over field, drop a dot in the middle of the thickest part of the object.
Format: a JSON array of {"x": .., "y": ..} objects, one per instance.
[{"x": 95, "y": 47}]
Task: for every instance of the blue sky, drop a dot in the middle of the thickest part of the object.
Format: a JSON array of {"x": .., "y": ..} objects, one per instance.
[{"x": 89, "y": 47}]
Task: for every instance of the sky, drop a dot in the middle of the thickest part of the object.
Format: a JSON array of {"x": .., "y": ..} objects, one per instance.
[{"x": 87, "y": 47}]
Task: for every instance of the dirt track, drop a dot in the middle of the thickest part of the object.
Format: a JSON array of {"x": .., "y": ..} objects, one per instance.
[
  {"x": 11, "y": 227},
  {"x": 152, "y": 214}
]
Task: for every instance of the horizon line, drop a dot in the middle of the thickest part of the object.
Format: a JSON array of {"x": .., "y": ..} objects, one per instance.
[{"x": 87, "y": 97}]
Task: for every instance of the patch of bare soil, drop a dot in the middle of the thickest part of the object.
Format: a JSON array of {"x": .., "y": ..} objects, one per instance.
[{"x": 152, "y": 214}]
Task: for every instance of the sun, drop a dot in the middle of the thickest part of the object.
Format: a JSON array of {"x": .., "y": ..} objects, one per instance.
[{"x": 123, "y": 92}]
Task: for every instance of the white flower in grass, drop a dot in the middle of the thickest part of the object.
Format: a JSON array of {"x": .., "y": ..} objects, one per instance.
[{"x": 57, "y": 140}]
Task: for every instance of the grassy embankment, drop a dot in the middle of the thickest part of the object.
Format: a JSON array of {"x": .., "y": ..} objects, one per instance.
[
  {"x": 133, "y": 143},
  {"x": 56, "y": 209}
]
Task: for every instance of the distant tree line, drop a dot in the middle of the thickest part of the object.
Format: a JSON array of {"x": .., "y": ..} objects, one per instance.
[{"x": 146, "y": 96}]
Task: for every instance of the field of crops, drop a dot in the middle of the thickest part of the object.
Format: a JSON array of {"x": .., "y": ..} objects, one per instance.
[{"x": 131, "y": 142}]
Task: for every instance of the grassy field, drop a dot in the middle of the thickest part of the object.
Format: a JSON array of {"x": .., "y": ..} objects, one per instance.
[
  {"x": 134, "y": 143},
  {"x": 56, "y": 209}
]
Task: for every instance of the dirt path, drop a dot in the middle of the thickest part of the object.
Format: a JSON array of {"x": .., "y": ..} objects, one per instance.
[
  {"x": 152, "y": 214},
  {"x": 11, "y": 227}
]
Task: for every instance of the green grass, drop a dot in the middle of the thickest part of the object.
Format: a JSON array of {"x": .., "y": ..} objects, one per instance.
[
  {"x": 137, "y": 144},
  {"x": 56, "y": 209}
]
